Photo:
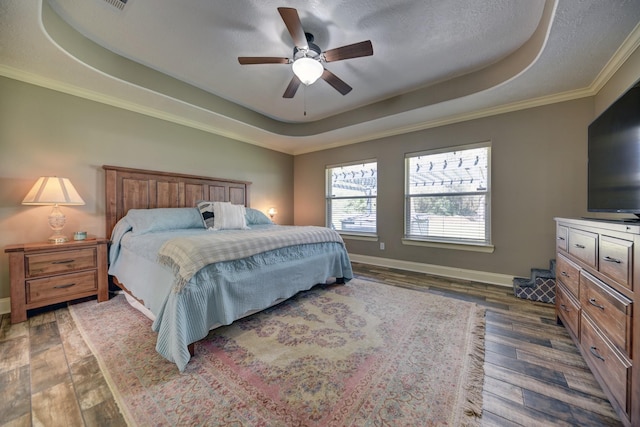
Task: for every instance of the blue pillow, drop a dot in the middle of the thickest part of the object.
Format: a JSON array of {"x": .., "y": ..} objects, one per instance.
[
  {"x": 162, "y": 219},
  {"x": 256, "y": 217}
]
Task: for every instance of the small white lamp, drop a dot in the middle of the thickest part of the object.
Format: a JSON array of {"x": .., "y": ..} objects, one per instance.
[
  {"x": 51, "y": 190},
  {"x": 272, "y": 212}
]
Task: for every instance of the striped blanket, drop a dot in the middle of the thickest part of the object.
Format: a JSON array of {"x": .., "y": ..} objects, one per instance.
[{"x": 187, "y": 255}]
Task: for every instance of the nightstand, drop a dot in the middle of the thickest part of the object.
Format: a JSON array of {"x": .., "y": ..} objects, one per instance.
[{"x": 42, "y": 274}]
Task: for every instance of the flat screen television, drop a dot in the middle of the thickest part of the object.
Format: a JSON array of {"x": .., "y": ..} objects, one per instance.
[{"x": 614, "y": 157}]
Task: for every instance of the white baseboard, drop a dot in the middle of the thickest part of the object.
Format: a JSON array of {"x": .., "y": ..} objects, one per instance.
[
  {"x": 437, "y": 270},
  {"x": 5, "y": 305}
]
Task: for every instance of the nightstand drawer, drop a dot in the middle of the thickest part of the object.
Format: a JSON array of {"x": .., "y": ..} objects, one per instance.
[
  {"x": 42, "y": 274},
  {"x": 47, "y": 263},
  {"x": 61, "y": 288}
]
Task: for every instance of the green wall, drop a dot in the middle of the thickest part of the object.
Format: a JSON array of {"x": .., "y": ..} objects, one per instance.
[
  {"x": 44, "y": 132},
  {"x": 538, "y": 172}
]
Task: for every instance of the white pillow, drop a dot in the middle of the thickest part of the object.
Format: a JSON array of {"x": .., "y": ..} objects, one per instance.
[{"x": 227, "y": 216}]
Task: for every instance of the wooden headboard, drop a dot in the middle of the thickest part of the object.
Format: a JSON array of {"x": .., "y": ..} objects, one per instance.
[{"x": 128, "y": 188}]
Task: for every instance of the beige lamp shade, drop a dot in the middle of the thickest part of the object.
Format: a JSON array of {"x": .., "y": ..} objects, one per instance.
[{"x": 52, "y": 190}]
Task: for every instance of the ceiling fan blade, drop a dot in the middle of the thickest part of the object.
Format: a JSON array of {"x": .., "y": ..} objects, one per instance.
[
  {"x": 336, "y": 82},
  {"x": 355, "y": 50},
  {"x": 291, "y": 90},
  {"x": 249, "y": 60},
  {"x": 292, "y": 21}
]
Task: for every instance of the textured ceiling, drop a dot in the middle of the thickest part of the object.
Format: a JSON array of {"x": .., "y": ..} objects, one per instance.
[
  {"x": 434, "y": 61},
  {"x": 416, "y": 43}
]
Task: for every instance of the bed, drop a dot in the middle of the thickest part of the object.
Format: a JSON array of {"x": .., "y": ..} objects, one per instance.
[{"x": 190, "y": 253}]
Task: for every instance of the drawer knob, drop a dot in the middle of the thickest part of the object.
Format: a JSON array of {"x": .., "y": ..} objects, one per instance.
[
  {"x": 609, "y": 259},
  {"x": 66, "y": 261},
  {"x": 594, "y": 303},
  {"x": 595, "y": 353},
  {"x": 577, "y": 245},
  {"x": 68, "y": 285}
]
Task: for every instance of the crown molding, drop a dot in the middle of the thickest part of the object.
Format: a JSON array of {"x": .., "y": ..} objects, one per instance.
[{"x": 626, "y": 49}]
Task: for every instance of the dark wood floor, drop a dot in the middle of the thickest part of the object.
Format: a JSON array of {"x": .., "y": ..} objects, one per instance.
[
  {"x": 534, "y": 375},
  {"x": 49, "y": 377}
]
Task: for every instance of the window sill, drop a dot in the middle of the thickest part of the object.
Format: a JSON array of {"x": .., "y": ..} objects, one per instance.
[
  {"x": 354, "y": 236},
  {"x": 455, "y": 246}
]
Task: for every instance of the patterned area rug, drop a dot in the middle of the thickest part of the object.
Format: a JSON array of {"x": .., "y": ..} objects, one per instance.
[{"x": 363, "y": 353}]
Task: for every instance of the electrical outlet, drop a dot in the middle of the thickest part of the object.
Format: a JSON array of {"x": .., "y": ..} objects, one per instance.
[{"x": 382, "y": 246}]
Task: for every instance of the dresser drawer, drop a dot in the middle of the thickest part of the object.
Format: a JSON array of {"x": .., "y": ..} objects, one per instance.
[
  {"x": 584, "y": 246},
  {"x": 569, "y": 274},
  {"x": 615, "y": 260},
  {"x": 61, "y": 288},
  {"x": 609, "y": 309},
  {"x": 42, "y": 264},
  {"x": 612, "y": 367},
  {"x": 562, "y": 237},
  {"x": 568, "y": 310}
]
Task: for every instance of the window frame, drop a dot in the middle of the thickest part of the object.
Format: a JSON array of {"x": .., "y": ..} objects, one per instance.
[
  {"x": 329, "y": 198},
  {"x": 484, "y": 245}
]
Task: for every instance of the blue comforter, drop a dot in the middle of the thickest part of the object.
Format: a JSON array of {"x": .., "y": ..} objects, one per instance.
[{"x": 219, "y": 293}]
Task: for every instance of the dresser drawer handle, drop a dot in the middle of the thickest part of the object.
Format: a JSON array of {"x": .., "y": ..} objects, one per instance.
[
  {"x": 579, "y": 246},
  {"x": 66, "y": 261},
  {"x": 609, "y": 259},
  {"x": 561, "y": 238},
  {"x": 564, "y": 273},
  {"x": 595, "y": 353},
  {"x": 564, "y": 308},
  {"x": 68, "y": 285},
  {"x": 594, "y": 303}
]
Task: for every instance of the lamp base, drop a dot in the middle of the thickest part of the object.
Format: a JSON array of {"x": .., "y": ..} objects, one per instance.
[
  {"x": 56, "y": 222},
  {"x": 58, "y": 238}
]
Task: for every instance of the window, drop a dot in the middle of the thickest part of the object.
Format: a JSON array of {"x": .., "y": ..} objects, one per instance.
[
  {"x": 352, "y": 191},
  {"x": 448, "y": 195}
]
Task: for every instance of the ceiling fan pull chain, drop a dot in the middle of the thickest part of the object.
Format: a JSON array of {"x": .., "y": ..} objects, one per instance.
[{"x": 304, "y": 95}]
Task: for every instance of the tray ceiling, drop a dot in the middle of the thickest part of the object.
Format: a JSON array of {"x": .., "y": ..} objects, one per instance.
[{"x": 434, "y": 62}]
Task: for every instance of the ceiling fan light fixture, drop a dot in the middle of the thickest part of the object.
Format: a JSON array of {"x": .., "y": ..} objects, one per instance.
[{"x": 308, "y": 70}]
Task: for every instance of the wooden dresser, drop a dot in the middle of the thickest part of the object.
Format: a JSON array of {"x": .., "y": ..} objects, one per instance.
[
  {"x": 42, "y": 274},
  {"x": 598, "y": 285}
]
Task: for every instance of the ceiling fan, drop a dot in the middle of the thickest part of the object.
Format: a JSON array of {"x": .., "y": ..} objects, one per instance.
[{"x": 308, "y": 57}]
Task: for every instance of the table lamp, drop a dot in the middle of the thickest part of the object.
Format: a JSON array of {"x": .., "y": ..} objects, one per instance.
[{"x": 52, "y": 190}]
